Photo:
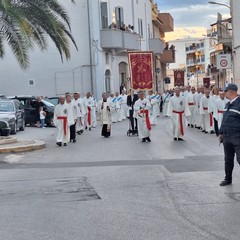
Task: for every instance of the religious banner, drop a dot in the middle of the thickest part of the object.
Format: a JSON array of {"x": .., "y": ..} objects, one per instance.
[
  {"x": 206, "y": 82},
  {"x": 141, "y": 70},
  {"x": 179, "y": 77}
]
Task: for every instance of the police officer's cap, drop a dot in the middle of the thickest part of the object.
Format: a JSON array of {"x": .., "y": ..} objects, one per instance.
[{"x": 232, "y": 87}]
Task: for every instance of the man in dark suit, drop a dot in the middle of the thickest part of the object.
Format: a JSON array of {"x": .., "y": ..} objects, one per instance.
[{"x": 131, "y": 99}]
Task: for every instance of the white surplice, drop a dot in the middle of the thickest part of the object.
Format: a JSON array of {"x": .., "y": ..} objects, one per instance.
[
  {"x": 178, "y": 110},
  {"x": 143, "y": 131}
]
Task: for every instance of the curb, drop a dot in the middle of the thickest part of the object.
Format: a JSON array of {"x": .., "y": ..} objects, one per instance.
[{"x": 24, "y": 147}]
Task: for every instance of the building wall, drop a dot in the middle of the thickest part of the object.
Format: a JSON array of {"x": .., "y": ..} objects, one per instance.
[
  {"x": 235, "y": 6},
  {"x": 52, "y": 77}
]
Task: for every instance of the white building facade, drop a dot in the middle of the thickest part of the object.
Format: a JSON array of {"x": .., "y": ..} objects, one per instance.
[
  {"x": 101, "y": 62},
  {"x": 192, "y": 55},
  {"x": 235, "y": 6}
]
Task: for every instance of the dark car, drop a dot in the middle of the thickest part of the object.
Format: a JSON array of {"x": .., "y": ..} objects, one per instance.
[
  {"x": 5, "y": 130},
  {"x": 29, "y": 104},
  {"x": 12, "y": 111}
]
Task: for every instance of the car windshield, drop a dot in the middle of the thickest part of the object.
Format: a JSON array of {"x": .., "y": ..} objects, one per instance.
[
  {"x": 6, "y": 107},
  {"x": 47, "y": 103}
]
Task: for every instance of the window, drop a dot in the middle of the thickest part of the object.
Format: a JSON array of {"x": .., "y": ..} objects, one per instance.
[
  {"x": 119, "y": 17},
  {"x": 140, "y": 27},
  {"x": 107, "y": 58},
  {"x": 108, "y": 81},
  {"x": 31, "y": 82},
  {"x": 104, "y": 15}
]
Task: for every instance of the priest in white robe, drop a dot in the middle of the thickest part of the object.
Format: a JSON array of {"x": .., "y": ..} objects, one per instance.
[
  {"x": 220, "y": 106},
  {"x": 89, "y": 103},
  {"x": 165, "y": 98},
  {"x": 112, "y": 99},
  {"x": 206, "y": 112},
  {"x": 61, "y": 122},
  {"x": 72, "y": 119},
  {"x": 178, "y": 110},
  {"x": 104, "y": 108},
  {"x": 191, "y": 100},
  {"x": 142, "y": 107}
]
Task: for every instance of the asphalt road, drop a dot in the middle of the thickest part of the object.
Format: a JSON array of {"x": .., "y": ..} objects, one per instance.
[{"x": 119, "y": 188}]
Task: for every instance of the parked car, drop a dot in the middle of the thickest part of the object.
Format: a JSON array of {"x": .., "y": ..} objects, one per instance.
[
  {"x": 53, "y": 100},
  {"x": 29, "y": 103},
  {"x": 5, "y": 130},
  {"x": 12, "y": 111}
]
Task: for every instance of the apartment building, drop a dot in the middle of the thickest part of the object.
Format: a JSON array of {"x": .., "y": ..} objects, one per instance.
[{"x": 104, "y": 30}]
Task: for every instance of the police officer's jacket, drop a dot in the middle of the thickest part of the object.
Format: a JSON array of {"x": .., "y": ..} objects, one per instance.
[{"x": 231, "y": 120}]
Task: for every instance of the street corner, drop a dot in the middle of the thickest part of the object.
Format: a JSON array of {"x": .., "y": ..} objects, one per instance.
[{"x": 14, "y": 145}]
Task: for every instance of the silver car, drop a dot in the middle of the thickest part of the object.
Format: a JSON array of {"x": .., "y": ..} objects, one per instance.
[{"x": 12, "y": 111}]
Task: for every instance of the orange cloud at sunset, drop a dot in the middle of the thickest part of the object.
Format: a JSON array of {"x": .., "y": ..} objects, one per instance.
[{"x": 186, "y": 32}]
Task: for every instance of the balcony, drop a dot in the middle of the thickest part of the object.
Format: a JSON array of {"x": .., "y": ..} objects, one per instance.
[
  {"x": 168, "y": 22},
  {"x": 168, "y": 56},
  {"x": 156, "y": 45},
  {"x": 119, "y": 40}
]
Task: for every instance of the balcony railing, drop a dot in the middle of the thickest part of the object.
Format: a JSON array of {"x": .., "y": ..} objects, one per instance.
[
  {"x": 168, "y": 56},
  {"x": 117, "y": 39},
  {"x": 156, "y": 45}
]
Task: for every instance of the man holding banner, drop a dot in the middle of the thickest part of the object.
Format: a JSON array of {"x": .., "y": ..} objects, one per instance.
[
  {"x": 178, "y": 110},
  {"x": 142, "y": 107}
]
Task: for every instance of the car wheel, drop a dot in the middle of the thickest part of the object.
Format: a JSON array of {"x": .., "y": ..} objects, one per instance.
[
  {"x": 14, "y": 130},
  {"x": 22, "y": 128}
]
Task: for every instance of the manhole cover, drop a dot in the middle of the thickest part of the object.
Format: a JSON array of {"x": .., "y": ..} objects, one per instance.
[{"x": 234, "y": 196}]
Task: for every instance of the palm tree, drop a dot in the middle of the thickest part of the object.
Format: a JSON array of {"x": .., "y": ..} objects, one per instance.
[{"x": 26, "y": 23}]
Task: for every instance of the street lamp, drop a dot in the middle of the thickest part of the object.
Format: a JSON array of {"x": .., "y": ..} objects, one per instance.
[{"x": 217, "y": 3}]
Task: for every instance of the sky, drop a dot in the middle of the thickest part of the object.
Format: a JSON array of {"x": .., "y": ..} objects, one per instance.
[{"x": 192, "y": 18}]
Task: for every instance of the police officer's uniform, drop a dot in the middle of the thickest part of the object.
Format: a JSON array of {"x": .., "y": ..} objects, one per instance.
[{"x": 230, "y": 129}]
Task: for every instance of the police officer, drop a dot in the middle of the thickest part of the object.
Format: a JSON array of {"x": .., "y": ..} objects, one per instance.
[{"x": 230, "y": 132}]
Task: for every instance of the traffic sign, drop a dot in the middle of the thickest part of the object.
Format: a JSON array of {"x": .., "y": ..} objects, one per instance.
[{"x": 224, "y": 61}]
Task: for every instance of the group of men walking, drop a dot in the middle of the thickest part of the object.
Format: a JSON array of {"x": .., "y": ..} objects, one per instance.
[{"x": 211, "y": 111}]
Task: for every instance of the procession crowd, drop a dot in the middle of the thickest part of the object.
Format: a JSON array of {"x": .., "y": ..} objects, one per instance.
[
  {"x": 209, "y": 110},
  {"x": 199, "y": 108}
]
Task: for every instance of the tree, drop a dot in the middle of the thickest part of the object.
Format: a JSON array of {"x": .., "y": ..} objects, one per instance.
[{"x": 26, "y": 23}]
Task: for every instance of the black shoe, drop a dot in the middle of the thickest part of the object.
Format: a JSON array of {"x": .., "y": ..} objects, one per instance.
[
  {"x": 86, "y": 128},
  {"x": 180, "y": 139},
  {"x": 90, "y": 129},
  {"x": 81, "y": 131},
  {"x": 74, "y": 140},
  {"x": 59, "y": 144},
  {"x": 212, "y": 132},
  {"x": 206, "y": 132},
  {"x": 192, "y": 126},
  {"x": 175, "y": 139},
  {"x": 143, "y": 140},
  {"x": 188, "y": 125},
  {"x": 203, "y": 131},
  {"x": 148, "y": 139},
  {"x": 64, "y": 144},
  {"x": 225, "y": 183}
]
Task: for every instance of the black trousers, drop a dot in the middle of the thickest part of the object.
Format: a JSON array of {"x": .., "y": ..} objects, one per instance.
[
  {"x": 73, "y": 132},
  {"x": 216, "y": 126},
  {"x": 231, "y": 147},
  {"x": 131, "y": 118}
]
